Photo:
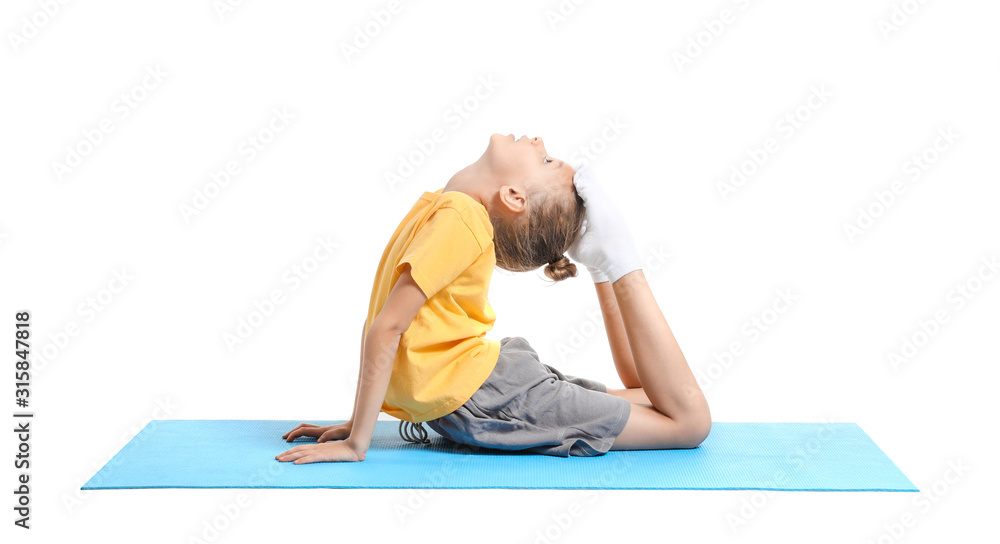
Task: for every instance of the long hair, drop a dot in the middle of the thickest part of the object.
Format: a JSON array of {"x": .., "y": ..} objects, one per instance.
[{"x": 540, "y": 236}]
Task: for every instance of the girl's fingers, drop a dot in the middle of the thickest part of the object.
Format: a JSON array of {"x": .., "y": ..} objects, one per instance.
[
  {"x": 300, "y": 425},
  {"x": 292, "y": 454},
  {"x": 301, "y": 432}
]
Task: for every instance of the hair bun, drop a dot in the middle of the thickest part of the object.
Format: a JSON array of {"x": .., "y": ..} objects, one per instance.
[{"x": 561, "y": 269}]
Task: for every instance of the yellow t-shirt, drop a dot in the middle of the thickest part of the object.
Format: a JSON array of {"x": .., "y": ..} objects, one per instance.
[{"x": 444, "y": 356}]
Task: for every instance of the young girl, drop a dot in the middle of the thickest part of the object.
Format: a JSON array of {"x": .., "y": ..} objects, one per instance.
[{"x": 424, "y": 353}]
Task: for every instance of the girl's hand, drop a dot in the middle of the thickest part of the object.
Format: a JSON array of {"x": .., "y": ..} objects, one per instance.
[
  {"x": 320, "y": 453},
  {"x": 339, "y": 431}
]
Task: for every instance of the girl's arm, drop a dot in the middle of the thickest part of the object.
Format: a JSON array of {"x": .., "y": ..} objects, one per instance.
[
  {"x": 379, "y": 354},
  {"x": 339, "y": 431},
  {"x": 361, "y": 362}
]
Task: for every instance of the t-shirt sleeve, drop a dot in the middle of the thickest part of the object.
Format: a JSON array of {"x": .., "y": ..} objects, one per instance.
[{"x": 442, "y": 248}]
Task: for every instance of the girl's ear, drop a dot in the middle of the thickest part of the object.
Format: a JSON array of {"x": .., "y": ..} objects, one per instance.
[{"x": 512, "y": 198}]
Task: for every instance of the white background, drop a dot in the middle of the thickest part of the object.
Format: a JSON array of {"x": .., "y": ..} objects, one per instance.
[{"x": 156, "y": 349}]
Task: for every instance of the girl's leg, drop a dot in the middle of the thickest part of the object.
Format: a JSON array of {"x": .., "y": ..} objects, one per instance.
[
  {"x": 620, "y": 350},
  {"x": 677, "y": 415}
]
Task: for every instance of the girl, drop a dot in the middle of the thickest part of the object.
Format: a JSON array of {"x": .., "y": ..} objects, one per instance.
[{"x": 424, "y": 353}]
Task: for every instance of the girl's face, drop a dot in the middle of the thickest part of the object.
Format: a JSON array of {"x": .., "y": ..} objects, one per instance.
[{"x": 523, "y": 161}]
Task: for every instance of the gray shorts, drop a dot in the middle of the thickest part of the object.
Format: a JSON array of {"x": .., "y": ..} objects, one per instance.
[{"x": 527, "y": 405}]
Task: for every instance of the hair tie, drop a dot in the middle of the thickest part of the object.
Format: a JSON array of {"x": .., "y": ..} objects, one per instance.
[{"x": 559, "y": 258}]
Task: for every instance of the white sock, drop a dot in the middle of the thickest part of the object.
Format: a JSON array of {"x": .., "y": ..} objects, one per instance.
[{"x": 605, "y": 246}]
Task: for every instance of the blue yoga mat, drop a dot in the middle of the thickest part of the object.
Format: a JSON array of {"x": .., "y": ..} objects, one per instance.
[{"x": 240, "y": 453}]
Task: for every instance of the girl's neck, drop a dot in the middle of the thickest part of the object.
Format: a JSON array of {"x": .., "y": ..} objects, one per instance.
[{"x": 472, "y": 181}]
